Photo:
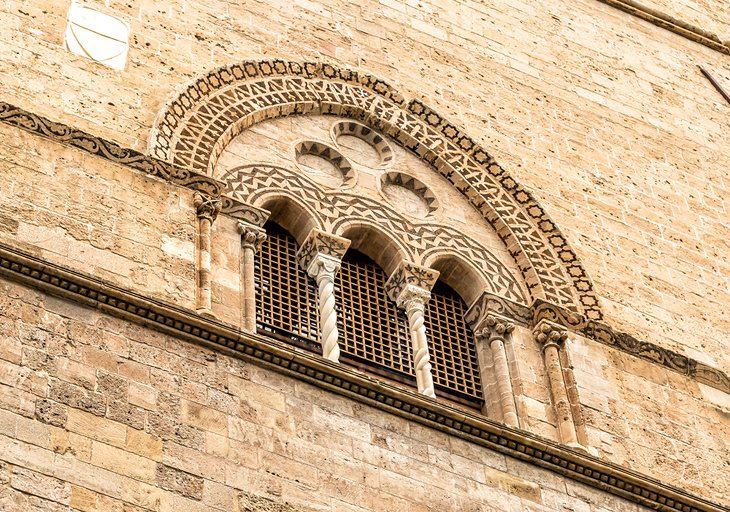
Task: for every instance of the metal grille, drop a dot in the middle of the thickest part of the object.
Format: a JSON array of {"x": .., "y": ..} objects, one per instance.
[
  {"x": 372, "y": 329},
  {"x": 455, "y": 365},
  {"x": 286, "y": 297}
]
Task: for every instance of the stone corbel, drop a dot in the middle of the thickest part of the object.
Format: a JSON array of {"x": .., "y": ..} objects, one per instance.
[
  {"x": 410, "y": 288},
  {"x": 251, "y": 239},
  {"x": 320, "y": 256},
  {"x": 552, "y": 337},
  {"x": 207, "y": 209}
]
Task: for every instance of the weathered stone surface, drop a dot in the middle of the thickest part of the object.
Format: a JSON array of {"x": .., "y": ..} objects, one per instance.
[{"x": 605, "y": 119}]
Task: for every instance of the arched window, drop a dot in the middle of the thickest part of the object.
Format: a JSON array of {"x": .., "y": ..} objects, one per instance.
[
  {"x": 453, "y": 352},
  {"x": 373, "y": 331},
  {"x": 286, "y": 298}
]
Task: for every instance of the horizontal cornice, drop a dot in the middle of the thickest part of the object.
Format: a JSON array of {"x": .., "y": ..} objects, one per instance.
[
  {"x": 671, "y": 23},
  {"x": 619, "y": 481}
]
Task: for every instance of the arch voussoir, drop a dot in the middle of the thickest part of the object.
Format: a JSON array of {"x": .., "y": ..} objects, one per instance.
[{"x": 196, "y": 126}]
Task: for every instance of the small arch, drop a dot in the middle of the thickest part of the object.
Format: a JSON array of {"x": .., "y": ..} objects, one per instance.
[
  {"x": 459, "y": 275},
  {"x": 291, "y": 214},
  {"x": 374, "y": 243}
]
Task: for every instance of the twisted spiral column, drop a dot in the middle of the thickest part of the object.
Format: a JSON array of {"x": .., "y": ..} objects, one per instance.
[
  {"x": 412, "y": 299},
  {"x": 323, "y": 269}
]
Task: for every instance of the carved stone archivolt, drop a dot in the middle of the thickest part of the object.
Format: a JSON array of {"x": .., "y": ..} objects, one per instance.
[
  {"x": 193, "y": 129},
  {"x": 336, "y": 209}
]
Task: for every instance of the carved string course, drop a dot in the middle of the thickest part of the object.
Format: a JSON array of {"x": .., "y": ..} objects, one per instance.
[{"x": 193, "y": 129}]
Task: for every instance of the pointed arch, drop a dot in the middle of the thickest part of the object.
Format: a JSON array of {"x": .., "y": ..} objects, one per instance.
[{"x": 192, "y": 130}]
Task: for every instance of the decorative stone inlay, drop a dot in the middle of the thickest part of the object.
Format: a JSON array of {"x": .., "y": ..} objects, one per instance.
[
  {"x": 319, "y": 242},
  {"x": 408, "y": 194},
  {"x": 343, "y": 130},
  {"x": 97, "y": 36},
  {"x": 333, "y": 209},
  {"x": 226, "y": 101},
  {"x": 410, "y": 274},
  {"x": 244, "y": 212},
  {"x": 324, "y": 164},
  {"x": 490, "y": 304}
]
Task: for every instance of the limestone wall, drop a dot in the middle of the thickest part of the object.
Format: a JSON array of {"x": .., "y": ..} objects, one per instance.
[
  {"x": 604, "y": 117},
  {"x": 97, "y": 413}
]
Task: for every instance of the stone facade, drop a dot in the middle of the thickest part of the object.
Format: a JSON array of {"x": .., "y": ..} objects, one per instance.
[{"x": 562, "y": 166}]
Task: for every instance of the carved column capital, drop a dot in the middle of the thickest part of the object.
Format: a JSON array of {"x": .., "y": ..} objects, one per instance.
[
  {"x": 549, "y": 333},
  {"x": 322, "y": 265},
  {"x": 251, "y": 236},
  {"x": 495, "y": 327},
  {"x": 412, "y": 298},
  {"x": 206, "y": 207},
  {"x": 410, "y": 282},
  {"x": 321, "y": 249}
]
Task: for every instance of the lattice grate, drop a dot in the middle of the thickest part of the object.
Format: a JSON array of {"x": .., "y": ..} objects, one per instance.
[
  {"x": 371, "y": 327},
  {"x": 455, "y": 364},
  {"x": 286, "y": 298}
]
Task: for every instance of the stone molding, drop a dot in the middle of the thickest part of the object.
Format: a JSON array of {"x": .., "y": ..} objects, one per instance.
[
  {"x": 267, "y": 352},
  {"x": 679, "y": 27},
  {"x": 108, "y": 150}
]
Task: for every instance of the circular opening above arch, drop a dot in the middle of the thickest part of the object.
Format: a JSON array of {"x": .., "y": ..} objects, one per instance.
[
  {"x": 408, "y": 194},
  {"x": 324, "y": 164},
  {"x": 362, "y": 144}
]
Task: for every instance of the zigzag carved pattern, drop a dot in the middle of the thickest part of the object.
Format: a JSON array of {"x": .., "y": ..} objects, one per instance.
[
  {"x": 200, "y": 122},
  {"x": 252, "y": 182}
]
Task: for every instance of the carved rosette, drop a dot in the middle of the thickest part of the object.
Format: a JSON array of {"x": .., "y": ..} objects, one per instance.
[
  {"x": 206, "y": 207},
  {"x": 320, "y": 255}
]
